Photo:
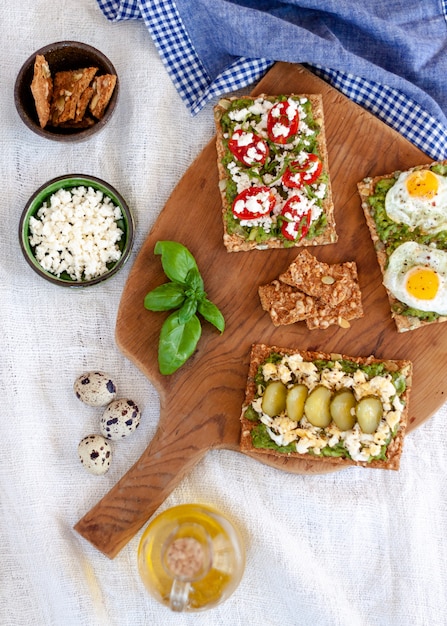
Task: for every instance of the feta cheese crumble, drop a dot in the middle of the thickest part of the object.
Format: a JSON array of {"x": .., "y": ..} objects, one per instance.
[{"x": 76, "y": 233}]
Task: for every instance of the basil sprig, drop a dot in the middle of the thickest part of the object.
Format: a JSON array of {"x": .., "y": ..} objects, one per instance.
[{"x": 185, "y": 294}]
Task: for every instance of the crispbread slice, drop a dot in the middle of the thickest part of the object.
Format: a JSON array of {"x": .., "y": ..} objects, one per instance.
[
  {"x": 68, "y": 87},
  {"x": 366, "y": 189},
  {"x": 42, "y": 89},
  {"x": 82, "y": 104},
  {"x": 330, "y": 283},
  {"x": 103, "y": 87},
  {"x": 349, "y": 308},
  {"x": 240, "y": 241},
  {"x": 285, "y": 304},
  {"x": 261, "y": 353}
]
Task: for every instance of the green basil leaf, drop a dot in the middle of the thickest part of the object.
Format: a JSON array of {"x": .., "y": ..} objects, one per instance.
[
  {"x": 176, "y": 260},
  {"x": 194, "y": 280},
  {"x": 165, "y": 297},
  {"x": 177, "y": 342},
  {"x": 188, "y": 309},
  {"x": 212, "y": 314}
]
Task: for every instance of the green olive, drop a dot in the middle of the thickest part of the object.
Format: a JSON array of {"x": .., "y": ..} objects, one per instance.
[
  {"x": 296, "y": 397},
  {"x": 341, "y": 409},
  {"x": 274, "y": 398},
  {"x": 316, "y": 407},
  {"x": 369, "y": 411}
]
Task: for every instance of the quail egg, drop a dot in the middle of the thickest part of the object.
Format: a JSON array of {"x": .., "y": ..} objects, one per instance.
[
  {"x": 95, "y": 454},
  {"x": 95, "y": 388},
  {"x": 120, "y": 419}
]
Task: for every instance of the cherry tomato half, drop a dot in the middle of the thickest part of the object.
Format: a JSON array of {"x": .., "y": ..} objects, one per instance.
[
  {"x": 248, "y": 148},
  {"x": 282, "y": 122},
  {"x": 253, "y": 202},
  {"x": 299, "y": 174},
  {"x": 296, "y": 225}
]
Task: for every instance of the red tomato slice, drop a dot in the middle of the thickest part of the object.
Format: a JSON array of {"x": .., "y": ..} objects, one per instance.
[
  {"x": 253, "y": 202},
  {"x": 299, "y": 174},
  {"x": 296, "y": 225},
  {"x": 282, "y": 122},
  {"x": 248, "y": 148}
]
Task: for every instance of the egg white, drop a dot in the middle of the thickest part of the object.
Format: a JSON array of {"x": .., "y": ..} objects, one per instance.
[
  {"x": 408, "y": 256},
  {"x": 429, "y": 214}
]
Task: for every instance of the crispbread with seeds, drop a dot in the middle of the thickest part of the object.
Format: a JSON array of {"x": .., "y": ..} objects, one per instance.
[
  {"x": 103, "y": 87},
  {"x": 82, "y": 104},
  {"x": 68, "y": 87},
  {"x": 348, "y": 308},
  {"x": 279, "y": 436},
  {"x": 42, "y": 89},
  {"x": 387, "y": 235},
  {"x": 249, "y": 115},
  {"x": 285, "y": 304},
  {"x": 330, "y": 283},
  {"x": 322, "y": 295}
]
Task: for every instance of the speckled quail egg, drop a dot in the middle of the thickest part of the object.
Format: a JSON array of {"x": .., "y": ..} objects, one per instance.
[
  {"x": 95, "y": 453},
  {"x": 120, "y": 419},
  {"x": 95, "y": 388}
]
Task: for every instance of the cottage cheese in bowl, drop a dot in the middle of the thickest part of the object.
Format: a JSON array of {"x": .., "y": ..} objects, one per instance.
[{"x": 76, "y": 231}]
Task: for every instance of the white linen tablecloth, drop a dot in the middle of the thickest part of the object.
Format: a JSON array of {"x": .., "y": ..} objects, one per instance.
[{"x": 357, "y": 547}]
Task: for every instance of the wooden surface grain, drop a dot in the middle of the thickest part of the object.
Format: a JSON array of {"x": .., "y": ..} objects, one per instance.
[{"x": 200, "y": 404}]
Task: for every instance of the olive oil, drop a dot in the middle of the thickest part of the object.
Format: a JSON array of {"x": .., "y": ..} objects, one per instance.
[{"x": 191, "y": 557}]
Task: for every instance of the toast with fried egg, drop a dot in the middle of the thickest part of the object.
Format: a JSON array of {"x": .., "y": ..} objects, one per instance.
[
  {"x": 406, "y": 213},
  {"x": 273, "y": 172},
  {"x": 283, "y": 410}
]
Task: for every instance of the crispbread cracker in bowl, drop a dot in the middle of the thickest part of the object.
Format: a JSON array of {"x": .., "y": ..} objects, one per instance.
[
  {"x": 368, "y": 377},
  {"x": 390, "y": 234},
  {"x": 268, "y": 160}
]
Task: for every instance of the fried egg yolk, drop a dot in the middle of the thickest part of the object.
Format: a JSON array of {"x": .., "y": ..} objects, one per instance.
[
  {"x": 418, "y": 199},
  {"x": 422, "y": 184},
  {"x": 416, "y": 275},
  {"x": 422, "y": 283}
]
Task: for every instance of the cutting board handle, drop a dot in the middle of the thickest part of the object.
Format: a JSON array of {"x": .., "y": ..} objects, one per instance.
[{"x": 120, "y": 514}]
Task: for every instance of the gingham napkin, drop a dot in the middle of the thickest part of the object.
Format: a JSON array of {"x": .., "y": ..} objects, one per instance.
[{"x": 388, "y": 57}]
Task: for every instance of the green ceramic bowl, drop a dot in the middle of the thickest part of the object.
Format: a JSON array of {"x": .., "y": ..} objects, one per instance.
[{"x": 43, "y": 194}]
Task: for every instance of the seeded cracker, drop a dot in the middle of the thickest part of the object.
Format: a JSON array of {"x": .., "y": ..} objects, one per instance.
[
  {"x": 320, "y": 443},
  {"x": 68, "y": 87},
  {"x": 330, "y": 283},
  {"x": 347, "y": 309},
  {"x": 42, "y": 89},
  {"x": 285, "y": 304},
  {"x": 233, "y": 178},
  {"x": 320, "y": 294},
  {"x": 103, "y": 87}
]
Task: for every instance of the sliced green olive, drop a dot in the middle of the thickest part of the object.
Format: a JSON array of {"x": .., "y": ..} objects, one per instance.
[
  {"x": 342, "y": 405},
  {"x": 369, "y": 411},
  {"x": 274, "y": 398},
  {"x": 316, "y": 407},
  {"x": 296, "y": 397}
]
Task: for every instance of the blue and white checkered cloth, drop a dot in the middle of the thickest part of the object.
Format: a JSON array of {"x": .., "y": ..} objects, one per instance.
[{"x": 389, "y": 57}]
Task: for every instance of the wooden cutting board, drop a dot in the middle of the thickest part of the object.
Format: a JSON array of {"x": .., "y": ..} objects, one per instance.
[{"x": 200, "y": 404}]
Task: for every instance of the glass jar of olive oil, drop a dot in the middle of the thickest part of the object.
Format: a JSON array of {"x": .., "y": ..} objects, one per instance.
[{"x": 191, "y": 557}]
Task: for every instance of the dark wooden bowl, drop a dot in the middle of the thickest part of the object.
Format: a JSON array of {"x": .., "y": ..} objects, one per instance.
[{"x": 62, "y": 56}]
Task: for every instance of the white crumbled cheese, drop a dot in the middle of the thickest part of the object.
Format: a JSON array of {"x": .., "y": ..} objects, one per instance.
[
  {"x": 291, "y": 370},
  {"x": 76, "y": 232},
  {"x": 238, "y": 115},
  {"x": 254, "y": 204}
]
